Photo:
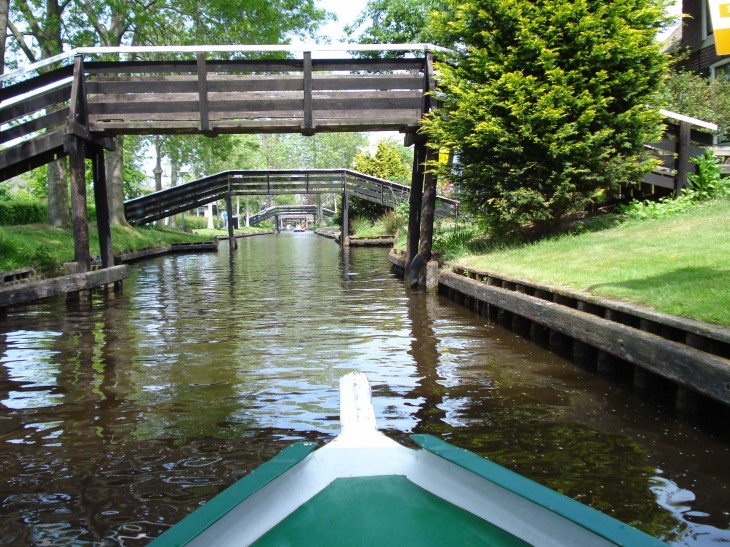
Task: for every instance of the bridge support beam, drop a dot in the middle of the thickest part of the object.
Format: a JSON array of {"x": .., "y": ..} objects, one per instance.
[
  {"x": 414, "y": 202},
  {"x": 345, "y": 228},
  {"x": 75, "y": 149},
  {"x": 232, "y": 244},
  {"x": 101, "y": 200},
  {"x": 428, "y": 208}
]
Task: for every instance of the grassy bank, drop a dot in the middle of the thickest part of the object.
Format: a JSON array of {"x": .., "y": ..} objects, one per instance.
[
  {"x": 46, "y": 248},
  {"x": 223, "y": 232},
  {"x": 678, "y": 265}
]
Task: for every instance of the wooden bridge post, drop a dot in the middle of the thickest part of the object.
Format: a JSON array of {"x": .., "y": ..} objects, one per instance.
[
  {"x": 103, "y": 222},
  {"x": 229, "y": 211},
  {"x": 75, "y": 147},
  {"x": 683, "y": 143},
  {"x": 428, "y": 208},
  {"x": 345, "y": 228},
  {"x": 414, "y": 202}
]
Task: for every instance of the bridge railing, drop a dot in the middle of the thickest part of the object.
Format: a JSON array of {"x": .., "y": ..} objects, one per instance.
[
  {"x": 33, "y": 121},
  {"x": 683, "y": 139}
]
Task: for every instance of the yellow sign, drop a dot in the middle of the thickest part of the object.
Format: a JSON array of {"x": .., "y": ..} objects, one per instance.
[{"x": 720, "y": 12}]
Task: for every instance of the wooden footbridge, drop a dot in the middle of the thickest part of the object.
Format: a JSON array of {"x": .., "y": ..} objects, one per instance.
[
  {"x": 223, "y": 186},
  {"x": 72, "y": 104},
  {"x": 286, "y": 213}
]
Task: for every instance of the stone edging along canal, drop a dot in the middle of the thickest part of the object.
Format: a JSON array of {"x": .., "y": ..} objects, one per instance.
[{"x": 608, "y": 336}]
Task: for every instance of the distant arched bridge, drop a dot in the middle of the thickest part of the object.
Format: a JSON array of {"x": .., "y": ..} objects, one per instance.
[
  {"x": 185, "y": 197},
  {"x": 288, "y": 212}
]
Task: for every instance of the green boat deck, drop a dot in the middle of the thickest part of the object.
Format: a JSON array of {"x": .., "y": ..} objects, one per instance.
[{"x": 384, "y": 510}]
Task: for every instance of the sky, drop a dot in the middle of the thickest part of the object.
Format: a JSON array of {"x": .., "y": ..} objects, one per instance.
[{"x": 346, "y": 11}]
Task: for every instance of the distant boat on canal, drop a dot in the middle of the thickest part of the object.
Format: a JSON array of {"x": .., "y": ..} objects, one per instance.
[
  {"x": 363, "y": 488},
  {"x": 299, "y": 228}
]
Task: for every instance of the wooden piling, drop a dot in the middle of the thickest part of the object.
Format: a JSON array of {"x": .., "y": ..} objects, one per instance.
[
  {"x": 415, "y": 200},
  {"x": 101, "y": 201}
]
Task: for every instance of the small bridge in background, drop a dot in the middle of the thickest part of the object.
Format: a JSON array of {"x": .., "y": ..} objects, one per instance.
[
  {"x": 285, "y": 213},
  {"x": 185, "y": 197}
]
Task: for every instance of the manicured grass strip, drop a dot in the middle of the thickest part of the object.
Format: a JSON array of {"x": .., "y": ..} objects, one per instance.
[
  {"x": 678, "y": 265},
  {"x": 46, "y": 247}
]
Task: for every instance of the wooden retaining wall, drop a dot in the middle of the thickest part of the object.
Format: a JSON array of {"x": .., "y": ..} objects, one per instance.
[
  {"x": 204, "y": 247},
  {"x": 605, "y": 335},
  {"x": 35, "y": 290}
]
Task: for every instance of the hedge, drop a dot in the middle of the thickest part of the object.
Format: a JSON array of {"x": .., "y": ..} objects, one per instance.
[{"x": 25, "y": 211}]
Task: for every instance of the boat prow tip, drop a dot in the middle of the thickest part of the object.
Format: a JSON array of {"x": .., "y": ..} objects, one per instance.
[{"x": 357, "y": 415}]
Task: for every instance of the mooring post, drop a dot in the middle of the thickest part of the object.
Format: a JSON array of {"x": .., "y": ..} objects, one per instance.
[{"x": 103, "y": 221}]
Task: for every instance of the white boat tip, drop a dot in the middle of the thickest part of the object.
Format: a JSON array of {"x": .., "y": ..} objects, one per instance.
[{"x": 357, "y": 415}]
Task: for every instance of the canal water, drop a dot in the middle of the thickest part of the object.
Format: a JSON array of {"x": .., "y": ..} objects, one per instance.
[{"x": 121, "y": 415}]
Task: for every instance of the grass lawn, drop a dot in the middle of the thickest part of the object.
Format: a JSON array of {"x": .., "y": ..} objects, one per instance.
[
  {"x": 210, "y": 234},
  {"x": 678, "y": 265},
  {"x": 45, "y": 248}
]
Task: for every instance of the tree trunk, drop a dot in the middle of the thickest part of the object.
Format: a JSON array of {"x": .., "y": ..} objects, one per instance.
[
  {"x": 59, "y": 213},
  {"x": 4, "y": 9},
  {"x": 115, "y": 181}
]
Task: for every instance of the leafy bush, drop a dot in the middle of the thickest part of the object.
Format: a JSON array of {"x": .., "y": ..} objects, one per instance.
[
  {"x": 194, "y": 222},
  {"x": 22, "y": 211},
  {"x": 707, "y": 182},
  {"x": 705, "y": 185}
]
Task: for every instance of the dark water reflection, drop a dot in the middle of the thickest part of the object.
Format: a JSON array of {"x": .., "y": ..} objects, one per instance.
[{"x": 120, "y": 416}]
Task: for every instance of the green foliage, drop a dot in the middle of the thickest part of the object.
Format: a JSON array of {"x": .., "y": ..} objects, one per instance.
[
  {"x": 707, "y": 183},
  {"x": 457, "y": 239},
  {"x": 394, "y": 22},
  {"x": 320, "y": 151},
  {"x": 663, "y": 208},
  {"x": 195, "y": 222},
  {"x": 693, "y": 95},
  {"x": 393, "y": 222},
  {"x": 387, "y": 163},
  {"x": 360, "y": 225},
  {"x": 22, "y": 211},
  {"x": 43, "y": 260},
  {"x": 548, "y": 104}
]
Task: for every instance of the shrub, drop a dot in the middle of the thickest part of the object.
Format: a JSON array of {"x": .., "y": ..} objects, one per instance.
[
  {"x": 22, "y": 211},
  {"x": 707, "y": 182},
  {"x": 194, "y": 222}
]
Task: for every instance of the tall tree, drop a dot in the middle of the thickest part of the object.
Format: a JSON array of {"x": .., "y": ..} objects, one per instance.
[
  {"x": 395, "y": 22},
  {"x": 547, "y": 103},
  {"x": 42, "y": 21},
  {"x": 4, "y": 14},
  {"x": 388, "y": 162}
]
